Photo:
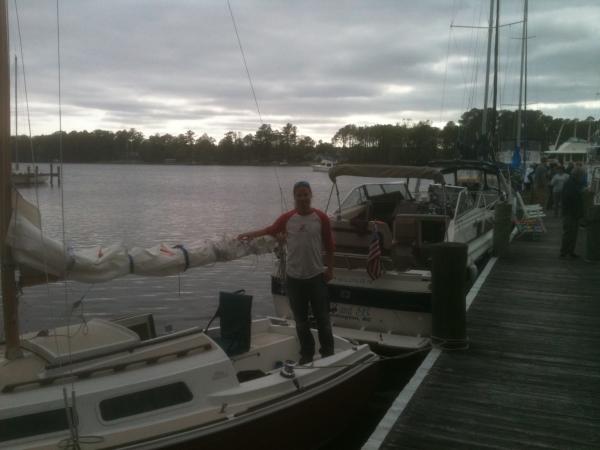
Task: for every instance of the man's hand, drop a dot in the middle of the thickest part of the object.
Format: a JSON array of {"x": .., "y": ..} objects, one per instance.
[{"x": 328, "y": 274}]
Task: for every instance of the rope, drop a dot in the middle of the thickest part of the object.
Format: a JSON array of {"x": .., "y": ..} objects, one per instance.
[
  {"x": 239, "y": 41},
  {"x": 381, "y": 358},
  {"x": 281, "y": 196}
]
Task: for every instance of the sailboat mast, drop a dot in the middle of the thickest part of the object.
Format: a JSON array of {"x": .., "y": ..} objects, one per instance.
[
  {"x": 525, "y": 24},
  {"x": 494, "y": 139},
  {"x": 522, "y": 81},
  {"x": 9, "y": 291},
  {"x": 519, "y": 118},
  {"x": 16, "y": 119},
  {"x": 487, "y": 72}
]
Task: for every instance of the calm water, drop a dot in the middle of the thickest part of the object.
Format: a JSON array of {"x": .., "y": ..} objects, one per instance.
[
  {"x": 146, "y": 205},
  {"x": 141, "y": 205}
]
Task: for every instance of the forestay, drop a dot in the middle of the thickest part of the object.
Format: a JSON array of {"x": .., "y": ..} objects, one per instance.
[{"x": 33, "y": 250}]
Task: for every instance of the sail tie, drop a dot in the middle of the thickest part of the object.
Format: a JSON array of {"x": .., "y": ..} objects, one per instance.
[
  {"x": 131, "y": 264},
  {"x": 186, "y": 255}
]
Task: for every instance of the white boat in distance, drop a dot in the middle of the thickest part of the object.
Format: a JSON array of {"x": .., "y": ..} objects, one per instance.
[
  {"x": 323, "y": 166},
  {"x": 29, "y": 178},
  {"x": 451, "y": 201}
]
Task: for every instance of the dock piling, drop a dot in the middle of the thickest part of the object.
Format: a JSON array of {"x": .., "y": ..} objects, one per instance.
[
  {"x": 502, "y": 228},
  {"x": 448, "y": 290},
  {"x": 592, "y": 233}
]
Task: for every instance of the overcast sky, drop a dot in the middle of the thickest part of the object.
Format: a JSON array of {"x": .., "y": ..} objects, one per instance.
[{"x": 173, "y": 65}]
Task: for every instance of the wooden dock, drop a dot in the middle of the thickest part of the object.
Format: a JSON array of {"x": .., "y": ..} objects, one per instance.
[{"x": 531, "y": 377}]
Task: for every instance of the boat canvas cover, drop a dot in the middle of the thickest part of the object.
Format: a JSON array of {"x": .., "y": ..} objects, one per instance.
[
  {"x": 382, "y": 171},
  {"x": 33, "y": 250}
]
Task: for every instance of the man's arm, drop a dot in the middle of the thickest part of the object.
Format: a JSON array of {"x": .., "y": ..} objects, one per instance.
[
  {"x": 276, "y": 229},
  {"x": 253, "y": 234}
]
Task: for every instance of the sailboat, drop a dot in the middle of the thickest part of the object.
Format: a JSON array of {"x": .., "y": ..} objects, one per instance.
[{"x": 118, "y": 384}]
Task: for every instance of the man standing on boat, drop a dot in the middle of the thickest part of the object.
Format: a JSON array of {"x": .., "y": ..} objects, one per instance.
[{"x": 307, "y": 232}]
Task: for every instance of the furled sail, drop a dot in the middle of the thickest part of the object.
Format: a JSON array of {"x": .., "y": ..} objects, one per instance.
[{"x": 33, "y": 250}]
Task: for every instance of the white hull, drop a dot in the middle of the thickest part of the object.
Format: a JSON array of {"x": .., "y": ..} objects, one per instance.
[{"x": 120, "y": 394}]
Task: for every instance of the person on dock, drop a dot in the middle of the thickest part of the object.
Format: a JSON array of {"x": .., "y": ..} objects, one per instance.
[
  {"x": 307, "y": 231},
  {"x": 572, "y": 210},
  {"x": 540, "y": 183},
  {"x": 558, "y": 181}
]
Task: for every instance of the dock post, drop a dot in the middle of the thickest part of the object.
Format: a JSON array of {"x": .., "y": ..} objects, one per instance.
[
  {"x": 36, "y": 174},
  {"x": 51, "y": 175},
  {"x": 448, "y": 290},
  {"x": 58, "y": 174},
  {"x": 592, "y": 228},
  {"x": 502, "y": 228}
]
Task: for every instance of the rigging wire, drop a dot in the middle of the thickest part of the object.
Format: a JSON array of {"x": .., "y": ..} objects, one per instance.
[
  {"x": 239, "y": 41},
  {"x": 442, "y": 106},
  {"x": 31, "y": 148}
]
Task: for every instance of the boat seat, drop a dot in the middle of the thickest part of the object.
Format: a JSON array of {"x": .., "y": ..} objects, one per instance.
[{"x": 349, "y": 239}]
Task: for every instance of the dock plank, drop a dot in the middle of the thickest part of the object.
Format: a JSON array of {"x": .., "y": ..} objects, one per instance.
[{"x": 531, "y": 377}]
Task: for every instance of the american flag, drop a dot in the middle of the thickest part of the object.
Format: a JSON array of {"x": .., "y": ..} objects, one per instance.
[{"x": 374, "y": 259}]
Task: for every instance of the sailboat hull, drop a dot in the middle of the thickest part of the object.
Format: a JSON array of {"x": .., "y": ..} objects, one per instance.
[{"x": 305, "y": 420}]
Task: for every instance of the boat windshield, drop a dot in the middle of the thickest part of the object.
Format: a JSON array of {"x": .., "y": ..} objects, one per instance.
[{"x": 360, "y": 194}]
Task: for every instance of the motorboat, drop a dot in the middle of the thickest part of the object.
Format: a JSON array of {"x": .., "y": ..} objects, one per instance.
[
  {"x": 323, "y": 166},
  {"x": 449, "y": 201}
]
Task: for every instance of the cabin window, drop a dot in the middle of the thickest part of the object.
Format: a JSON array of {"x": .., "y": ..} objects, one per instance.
[
  {"x": 471, "y": 179},
  {"x": 145, "y": 401},
  {"x": 33, "y": 424},
  {"x": 491, "y": 181}
]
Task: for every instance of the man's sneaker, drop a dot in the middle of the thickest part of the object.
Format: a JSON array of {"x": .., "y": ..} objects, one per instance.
[{"x": 304, "y": 360}]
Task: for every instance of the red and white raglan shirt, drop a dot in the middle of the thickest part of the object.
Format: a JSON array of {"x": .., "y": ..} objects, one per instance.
[{"x": 307, "y": 235}]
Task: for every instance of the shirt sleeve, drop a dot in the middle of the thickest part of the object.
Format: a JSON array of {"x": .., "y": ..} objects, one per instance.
[
  {"x": 279, "y": 224},
  {"x": 326, "y": 233}
]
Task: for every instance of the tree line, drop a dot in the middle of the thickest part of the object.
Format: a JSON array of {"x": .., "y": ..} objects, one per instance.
[{"x": 400, "y": 143}]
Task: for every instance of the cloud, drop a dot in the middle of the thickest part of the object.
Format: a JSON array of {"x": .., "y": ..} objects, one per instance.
[{"x": 168, "y": 66}]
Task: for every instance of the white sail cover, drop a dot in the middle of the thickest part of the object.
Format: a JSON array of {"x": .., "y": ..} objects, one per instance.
[{"x": 32, "y": 249}]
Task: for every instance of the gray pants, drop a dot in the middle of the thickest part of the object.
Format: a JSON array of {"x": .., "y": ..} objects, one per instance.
[
  {"x": 556, "y": 203},
  {"x": 569, "y": 235},
  {"x": 313, "y": 292}
]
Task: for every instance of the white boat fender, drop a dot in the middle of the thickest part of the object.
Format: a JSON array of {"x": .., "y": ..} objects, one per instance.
[{"x": 472, "y": 272}]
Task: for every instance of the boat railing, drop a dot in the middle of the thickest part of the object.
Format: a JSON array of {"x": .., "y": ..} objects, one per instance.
[
  {"x": 464, "y": 203},
  {"x": 469, "y": 200},
  {"x": 115, "y": 367}
]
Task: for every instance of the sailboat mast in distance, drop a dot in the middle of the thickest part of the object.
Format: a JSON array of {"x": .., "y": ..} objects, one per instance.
[{"x": 9, "y": 297}]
